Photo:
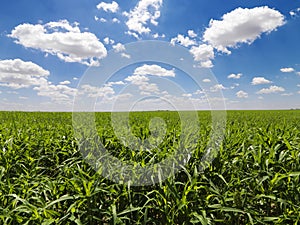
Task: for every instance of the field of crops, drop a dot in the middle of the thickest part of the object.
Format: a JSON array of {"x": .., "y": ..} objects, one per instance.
[{"x": 254, "y": 179}]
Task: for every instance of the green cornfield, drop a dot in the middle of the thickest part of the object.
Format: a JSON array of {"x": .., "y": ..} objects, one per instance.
[{"x": 254, "y": 179}]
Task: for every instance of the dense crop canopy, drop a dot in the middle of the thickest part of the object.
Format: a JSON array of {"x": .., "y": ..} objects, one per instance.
[{"x": 254, "y": 179}]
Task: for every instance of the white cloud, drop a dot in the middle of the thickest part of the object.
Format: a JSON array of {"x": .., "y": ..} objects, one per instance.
[
  {"x": 133, "y": 34},
  {"x": 203, "y": 53},
  {"x": 16, "y": 73},
  {"x": 287, "y": 94},
  {"x": 66, "y": 82},
  {"x": 271, "y": 89},
  {"x": 23, "y": 97},
  {"x": 108, "y": 41},
  {"x": 137, "y": 79},
  {"x": 109, "y": 84},
  {"x": 119, "y": 47},
  {"x": 260, "y": 80},
  {"x": 142, "y": 82},
  {"x": 234, "y": 86},
  {"x": 184, "y": 41},
  {"x": 242, "y": 94},
  {"x": 150, "y": 87},
  {"x": 294, "y": 13},
  {"x": 192, "y": 34},
  {"x": 57, "y": 93},
  {"x": 199, "y": 92},
  {"x": 287, "y": 70},
  {"x": 140, "y": 78},
  {"x": 206, "y": 64},
  {"x": 102, "y": 20},
  {"x": 154, "y": 70},
  {"x": 61, "y": 39},
  {"x": 187, "y": 95},
  {"x": 242, "y": 25},
  {"x": 112, "y": 7},
  {"x": 18, "y": 66},
  {"x": 156, "y": 35},
  {"x": 298, "y": 73},
  {"x": 145, "y": 93},
  {"x": 144, "y": 12},
  {"x": 206, "y": 80},
  {"x": 94, "y": 91},
  {"x": 75, "y": 78},
  {"x": 116, "y": 20},
  {"x": 19, "y": 74},
  {"x": 234, "y": 76},
  {"x": 124, "y": 55},
  {"x": 217, "y": 87}
]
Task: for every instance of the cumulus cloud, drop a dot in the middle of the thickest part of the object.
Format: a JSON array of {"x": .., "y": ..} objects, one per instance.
[
  {"x": 287, "y": 70},
  {"x": 94, "y": 91},
  {"x": 192, "y": 34},
  {"x": 66, "y": 82},
  {"x": 184, "y": 41},
  {"x": 156, "y": 35},
  {"x": 18, "y": 66},
  {"x": 206, "y": 80},
  {"x": 102, "y": 20},
  {"x": 124, "y": 55},
  {"x": 199, "y": 92},
  {"x": 137, "y": 79},
  {"x": 143, "y": 83},
  {"x": 217, "y": 87},
  {"x": 295, "y": 12},
  {"x": 109, "y": 84},
  {"x": 271, "y": 89},
  {"x": 140, "y": 77},
  {"x": 20, "y": 81},
  {"x": 61, "y": 39},
  {"x": 260, "y": 80},
  {"x": 108, "y": 41},
  {"x": 242, "y": 94},
  {"x": 234, "y": 76},
  {"x": 108, "y": 7},
  {"x": 187, "y": 95},
  {"x": 16, "y": 73},
  {"x": 116, "y": 20},
  {"x": 119, "y": 47},
  {"x": 144, "y": 12},
  {"x": 206, "y": 64},
  {"x": 242, "y": 25},
  {"x": 203, "y": 54},
  {"x": 57, "y": 93},
  {"x": 154, "y": 70},
  {"x": 287, "y": 94}
]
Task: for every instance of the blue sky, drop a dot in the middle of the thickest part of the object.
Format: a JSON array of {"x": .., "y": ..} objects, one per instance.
[{"x": 251, "y": 48}]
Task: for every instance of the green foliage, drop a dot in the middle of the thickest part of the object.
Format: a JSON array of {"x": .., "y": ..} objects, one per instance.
[{"x": 253, "y": 180}]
